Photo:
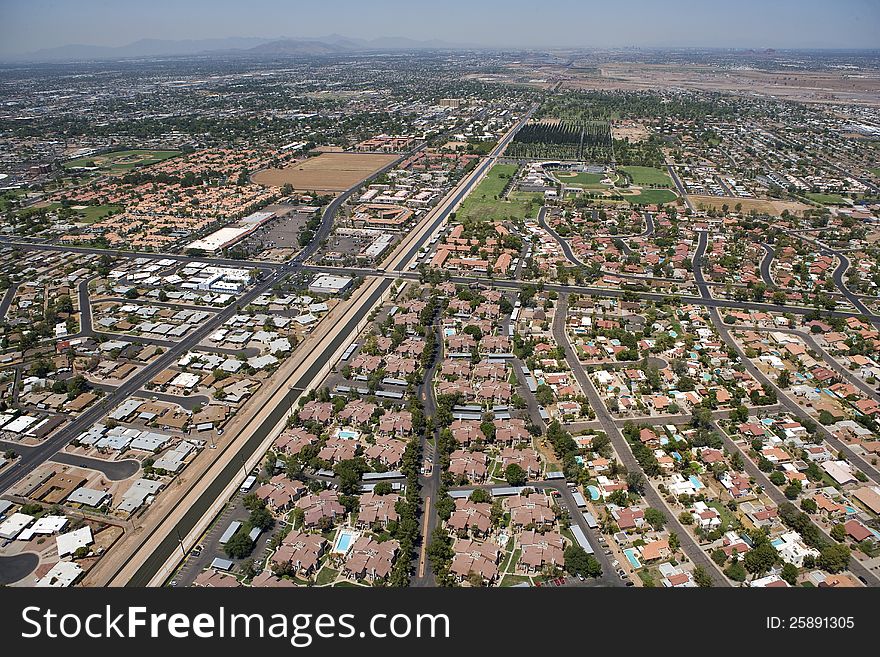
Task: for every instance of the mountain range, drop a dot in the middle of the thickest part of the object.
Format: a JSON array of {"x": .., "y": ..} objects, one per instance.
[{"x": 234, "y": 46}]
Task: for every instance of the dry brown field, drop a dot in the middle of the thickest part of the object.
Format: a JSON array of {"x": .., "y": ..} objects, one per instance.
[
  {"x": 764, "y": 206},
  {"x": 328, "y": 172}
]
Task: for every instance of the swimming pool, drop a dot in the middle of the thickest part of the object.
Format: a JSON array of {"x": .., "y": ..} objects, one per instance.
[
  {"x": 696, "y": 482},
  {"x": 776, "y": 542},
  {"x": 344, "y": 541},
  {"x": 631, "y": 556},
  {"x": 594, "y": 492},
  {"x": 347, "y": 434}
]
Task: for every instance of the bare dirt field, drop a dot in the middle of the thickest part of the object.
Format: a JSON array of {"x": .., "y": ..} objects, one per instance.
[
  {"x": 800, "y": 86},
  {"x": 764, "y": 206},
  {"x": 329, "y": 172}
]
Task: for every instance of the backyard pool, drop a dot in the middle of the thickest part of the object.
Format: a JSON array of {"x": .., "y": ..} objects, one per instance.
[
  {"x": 594, "y": 492},
  {"x": 696, "y": 482},
  {"x": 347, "y": 434},
  {"x": 632, "y": 557}
]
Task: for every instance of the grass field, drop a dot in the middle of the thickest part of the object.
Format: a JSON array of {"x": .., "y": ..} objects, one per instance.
[
  {"x": 651, "y": 196},
  {"x": 328, "y": 172},
  {"x": 875, "y": 171},
  {"x": 512, "y": 580},
  {"x": 7, "y": 196},
  {"x": 484, "y": 202},
  {"x": 648, "y": 176},
  {"x": 121, "y": 161},
  {"x": 580, "y": 178},
  {"x": 827, "y": 199},
  {"x": 326, "y": 575},
  {"x": 92, "y": 213}
]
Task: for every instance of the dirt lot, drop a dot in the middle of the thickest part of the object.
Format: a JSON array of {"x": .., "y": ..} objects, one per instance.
[
  {"x": 329, "y": 172},
  {"x": 800, "y": 86},
  {"x": 765, "y": 206}
]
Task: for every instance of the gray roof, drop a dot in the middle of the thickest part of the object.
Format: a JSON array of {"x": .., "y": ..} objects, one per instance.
[{"x": 88, "y": 496}]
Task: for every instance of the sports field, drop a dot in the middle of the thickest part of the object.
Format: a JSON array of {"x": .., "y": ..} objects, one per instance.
[
  {"x": 328, "y": 172},
  {"x": 648, "y": 176},
  {"x": 579, "y": 178},
  {"x": 121, "y": 161},
  {"x": 484, "y": 202},
  {"x": 651, "y": 196}
]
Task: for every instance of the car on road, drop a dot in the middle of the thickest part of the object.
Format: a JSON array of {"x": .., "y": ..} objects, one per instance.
[
  {"x": 608, "y": 552},
  {"x": 629, "y": 582}
]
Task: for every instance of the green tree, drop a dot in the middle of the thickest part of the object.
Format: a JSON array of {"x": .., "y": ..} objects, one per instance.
[
  {"x": 578, "y": 562},
  {"x": 655, "y": 518},
  {"x": 789, "y": 573},
  {"x": 515, "y": 475},
  {"x": 701, "y": 577},
  {"x": 239, "y": 546},
  {"x": 834, "y": 558}
]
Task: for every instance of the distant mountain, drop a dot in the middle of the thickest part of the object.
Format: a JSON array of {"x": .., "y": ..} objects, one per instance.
[
  {"x": 288, "y": 47},
  {"x": 246, "y": 46},
  {"x": 142, "y": 48}
]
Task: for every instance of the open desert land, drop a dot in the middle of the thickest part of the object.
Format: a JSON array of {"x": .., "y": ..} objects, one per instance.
[
  {"x": 328, "y": 172},
  {"x": 861, "y": 88},
  {"x": 764, "y": 206}
]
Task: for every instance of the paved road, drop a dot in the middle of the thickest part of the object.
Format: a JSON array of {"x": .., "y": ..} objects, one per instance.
[
  {"x": 832, "y": 362},
  {"x": 229, "y": 262},
  {"x": 839, "y": 273},
  {"x": 789, "y": 404},
  {"x": 17, "y": 566},
  {"x": 679, "y": 186},
  {"x": 113, "y": 470},
  {"x": 779, "y": 498},
  {"x": 688, "y": 545},
  {"x": 766, "y": 261},
  {"x": 7, "y": 300},
  {"x": 154, "y": 562}
]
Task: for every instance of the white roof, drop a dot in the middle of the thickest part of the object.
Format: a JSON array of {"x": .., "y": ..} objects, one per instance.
[
  {"x": 71, "y": 541},
  {"x": 45, "y": 525},
  {"x": 62, "y": 574},
  {"x": 14, "y": 524},
  {"x": 20, "y": 424}
]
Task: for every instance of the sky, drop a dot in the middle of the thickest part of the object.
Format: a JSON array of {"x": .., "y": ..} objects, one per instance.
[{"x": 30, "y": 25}]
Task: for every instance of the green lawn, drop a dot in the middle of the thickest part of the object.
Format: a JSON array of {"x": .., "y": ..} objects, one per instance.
[
  {"x": 512, "y": 580},
  {"x": 326, "y": 575},
  {"x": 8, "y": 196},
  {"x": 728, "y": 520},
  {"x": 827, "y": 199},
  {"x": 581, "y": 178},
  {"x": 93, "y": 213},
  {"x": 648, "y": 176},
  {"x": 875, "y": 171},
  {"x": 484, "y": 204},
  {"x": 121, "y": 161},
  {"x": 510, "y": 564},
  {"x": 651, "y": 196}
]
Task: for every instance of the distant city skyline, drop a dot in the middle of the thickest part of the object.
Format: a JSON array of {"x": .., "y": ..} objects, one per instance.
[{"x": 32, "y": 25}]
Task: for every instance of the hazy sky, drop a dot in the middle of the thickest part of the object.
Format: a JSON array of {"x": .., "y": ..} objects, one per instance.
[{"x": 29, "y": 25}]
